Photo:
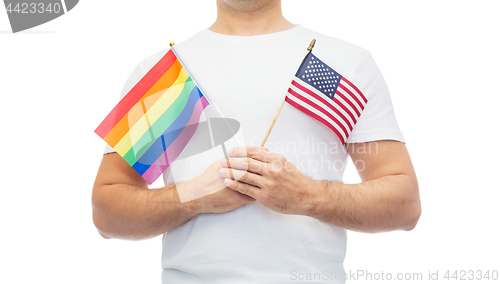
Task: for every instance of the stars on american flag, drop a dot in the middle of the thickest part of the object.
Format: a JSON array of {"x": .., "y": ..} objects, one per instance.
[
  {"x": 320, "y": 76},
  {"x": 322, "y": 93}
]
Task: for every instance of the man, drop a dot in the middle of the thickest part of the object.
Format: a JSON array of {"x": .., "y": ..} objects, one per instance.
[{"x": 285, "y": 213}]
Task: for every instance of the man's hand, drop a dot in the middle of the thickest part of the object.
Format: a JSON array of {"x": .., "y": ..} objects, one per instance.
[
  {"x": 386, "y": 200},
  {"x": 270, "y": 178},
  {"x": 124, "y": 207},
  {"x": 217, "y": 198}
]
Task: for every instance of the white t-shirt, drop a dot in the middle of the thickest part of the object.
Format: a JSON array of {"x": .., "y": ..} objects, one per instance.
[{"x": 248, "y": 77}]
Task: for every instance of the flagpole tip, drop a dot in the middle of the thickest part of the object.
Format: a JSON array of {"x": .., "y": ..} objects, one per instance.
[
  {"x": 311, "y": 46},
  {"x": 172, "y": 43}
]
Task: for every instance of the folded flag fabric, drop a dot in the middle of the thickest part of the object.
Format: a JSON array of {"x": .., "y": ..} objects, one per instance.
[
  {"x": 155, "y": 120},
  {"x": 327, "y": 96}
]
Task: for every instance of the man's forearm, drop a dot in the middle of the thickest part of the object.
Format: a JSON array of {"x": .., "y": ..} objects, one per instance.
[
  {"x": 130, "y": 212},
  {"x": 383, "y": 204},
  {"x": 124, "y": 207}
]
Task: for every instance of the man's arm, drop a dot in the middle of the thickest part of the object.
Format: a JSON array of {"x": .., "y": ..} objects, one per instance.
[
  {"x": 386, "y": 200},
  {"x": 123, "y": 206}
]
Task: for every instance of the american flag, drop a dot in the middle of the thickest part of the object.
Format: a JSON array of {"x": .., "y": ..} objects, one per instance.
[{"x": 324, "y": 94}]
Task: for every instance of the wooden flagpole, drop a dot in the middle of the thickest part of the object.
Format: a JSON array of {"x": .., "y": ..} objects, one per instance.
[{"x": 309, "y": 49}]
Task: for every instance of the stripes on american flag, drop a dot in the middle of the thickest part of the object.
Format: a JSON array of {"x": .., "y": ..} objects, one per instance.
[{"x": 325, "y": 95}]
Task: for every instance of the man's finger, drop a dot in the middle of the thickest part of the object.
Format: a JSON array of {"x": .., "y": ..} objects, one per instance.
[
  {"x": 257, "y": 153},
  {"x": 245, "y": 164},
  {"x": 242, "y": 176},
  {"x": 237, "y": 152},
  {"x": 243, "y": 188}
]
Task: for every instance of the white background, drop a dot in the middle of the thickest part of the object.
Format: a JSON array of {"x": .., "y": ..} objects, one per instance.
[{"x": 59, "y": 80}]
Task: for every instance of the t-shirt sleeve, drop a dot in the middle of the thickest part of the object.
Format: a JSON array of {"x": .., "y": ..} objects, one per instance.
[{"x": 377, "y": 121}]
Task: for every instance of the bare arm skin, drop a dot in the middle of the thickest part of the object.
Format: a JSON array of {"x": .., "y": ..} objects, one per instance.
[
  {"x": 123, "y": 207},
  {"x": 387, "y": 199}
]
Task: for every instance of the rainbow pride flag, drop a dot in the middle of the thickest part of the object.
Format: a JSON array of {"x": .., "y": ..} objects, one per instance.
[{"x": 153, "y": 123}]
